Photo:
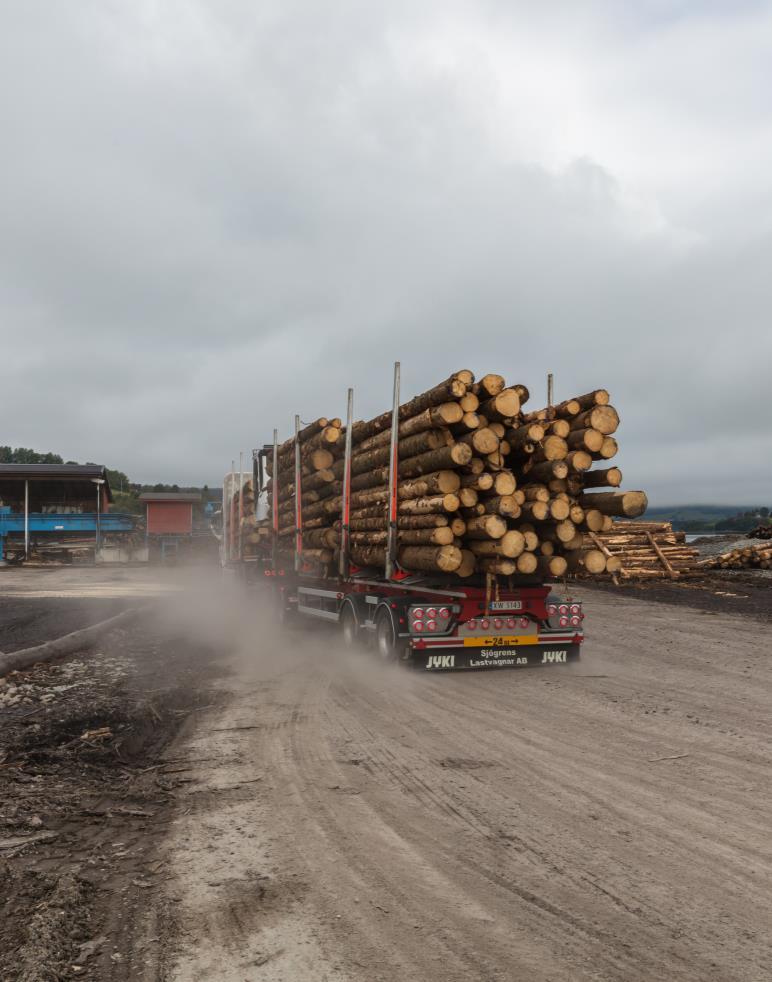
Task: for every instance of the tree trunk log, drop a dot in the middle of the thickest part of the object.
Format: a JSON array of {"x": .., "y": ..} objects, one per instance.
[
  {"x": 434, "y": 460},
  {"x": 627, "y": 504},
  {"x": 579, "y": 461},
  {"x": 486, "y": 527},
  {"x": 483, "y": 440},
  {"x": 608, "y": 477},
  {"x": 589, "y": 440},
  {"x": 432, "y": 504},
  {"x": 547, "y": 470},
  {"x": 502, "y": 406},
  {"x": 604, "y": 419}
]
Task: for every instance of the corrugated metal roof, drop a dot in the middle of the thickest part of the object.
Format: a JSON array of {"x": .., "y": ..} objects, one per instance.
[
  {"x": 184, "y": 496},
  {"x": 55, "y": 472}
]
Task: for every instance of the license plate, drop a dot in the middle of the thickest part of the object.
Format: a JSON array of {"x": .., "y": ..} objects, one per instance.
[
  {"x": 505, "y": 605},
  {"x": 500, "y": 642}
]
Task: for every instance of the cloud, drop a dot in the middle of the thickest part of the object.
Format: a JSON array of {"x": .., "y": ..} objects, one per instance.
[{"x": 215, "y": 216}]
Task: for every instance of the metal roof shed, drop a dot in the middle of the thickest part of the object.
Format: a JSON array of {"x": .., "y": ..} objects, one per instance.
[{"x": 169, "y": 512}]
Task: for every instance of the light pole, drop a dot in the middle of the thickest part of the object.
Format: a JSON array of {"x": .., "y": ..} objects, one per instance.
[{"x": 99, "y": 481}]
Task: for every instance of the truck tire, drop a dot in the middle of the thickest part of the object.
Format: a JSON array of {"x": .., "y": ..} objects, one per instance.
[
  {"x": 349, "y": 628},
  {"x": 385, "y": 637}
]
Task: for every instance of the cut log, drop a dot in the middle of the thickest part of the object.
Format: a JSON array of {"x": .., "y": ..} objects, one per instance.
[
  {"x": 604, "y": 419},
  {"x": 552, "y": 567},
  {"x": 535, "y": 492},
  {"x": 547, "y": 470},
  {"x": 474, "y": 466},
  {"x": 468, "y": 563},
  {"x": 504, "y": 482},
  {"x": 445, "y": 559},
  {"x": 478, "y": 482},
  {"x": 579, "y": 461},
  {"x": 587, "y": 560},
  {"x": 527, "y": 563},
  {"x": 501, "y": 567},
  {"x": 608, "y": 450},
  {"x": 483, "y": 440},
  {"x": 467, "y": 497},
  {"x": 598, "y": 397},
  {"x": 569, "y": 408},
  {"x": 560, "y": 427},
  {"x": 433, "y": 503},
  {"x": 505, "y": 404},
  {"x": 439, "y": 482},
  {"x": 559, "y": 509},
  {"x": 531, "y": 433},
  {"x": 589, "y": 440},
  {"x": 469, "y": 402},
  {"x": 627, "y": 504},
  {"x": 504, "y": 504},
  {"x": 434, "y": 460},
  {"x": 489, "y": 385},
  {"x": 486, "y": 527},
  {"x": 606, "y": 477},
  {"x": 469, "y": 421}
]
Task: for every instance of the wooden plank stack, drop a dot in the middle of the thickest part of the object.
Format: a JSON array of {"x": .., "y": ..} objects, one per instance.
[
  {"x": 757, "y": 556},
  {"x": 484, "y": 487},
  {"x": 645, "y": 550}
]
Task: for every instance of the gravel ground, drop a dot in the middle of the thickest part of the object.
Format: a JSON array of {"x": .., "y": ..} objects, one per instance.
[{"x": 201, "y": 798}]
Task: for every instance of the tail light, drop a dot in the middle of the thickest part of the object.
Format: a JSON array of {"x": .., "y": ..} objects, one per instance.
[
  {"x": 431, "y": 625},
  {"x": 551, "y": 610},
  {"x": 417, "y": 613},
  {"x": 576, "y": 621},
  {"x": 576, "y": 609},
  {"x": 471, "y": 624},
  {"x": 563, "y": 608},
  {"x": 444, "y": 613},
  {"x": 524, "y": 622},
  {"x": 485, "y": 623},
  {"x": 431, "y": 612},
  {"x": 418, "y": 625},
  {"x": 511, "y": 622},
  {"x": 564, "y": 622},
  {"x": 498, "y": 623}
]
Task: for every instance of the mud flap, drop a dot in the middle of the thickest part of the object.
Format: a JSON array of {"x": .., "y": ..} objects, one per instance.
[{"x": 527, "y": 656}]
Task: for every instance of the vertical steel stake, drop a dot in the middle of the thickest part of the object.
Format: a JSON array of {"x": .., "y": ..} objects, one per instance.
[
  {"x": 226, "y": 528},
  {"x": 26, "y": 518},
  {"x": 391, "y": 546},
  {"x": 275, "y": 501},
  {"x": 549, "y": 389},
  {"x": 241, "y": 499},
  {"x": 298, "y": 501},
  {"x": 345, "y": 511}
]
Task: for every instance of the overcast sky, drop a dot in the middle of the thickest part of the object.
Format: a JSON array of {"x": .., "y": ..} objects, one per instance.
[{"x": 216, "y": 214}]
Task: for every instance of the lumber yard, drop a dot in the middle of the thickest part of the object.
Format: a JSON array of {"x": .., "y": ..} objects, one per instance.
[{"x": 432, "y": 528}]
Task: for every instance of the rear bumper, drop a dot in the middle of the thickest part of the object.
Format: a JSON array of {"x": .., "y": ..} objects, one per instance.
[{"x": 450, "y": 658}]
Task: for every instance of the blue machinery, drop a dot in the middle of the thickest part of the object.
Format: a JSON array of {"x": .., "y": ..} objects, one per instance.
[{"x": 89, "y": 522}]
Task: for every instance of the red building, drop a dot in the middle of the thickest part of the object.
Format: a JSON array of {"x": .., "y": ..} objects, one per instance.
[{"x": 169, "y": 512}]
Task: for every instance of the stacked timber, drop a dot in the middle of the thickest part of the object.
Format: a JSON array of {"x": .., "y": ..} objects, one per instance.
[
  {"x": 748, "y": 557},
  {"x": 761, "y": 532},
  {"x": 483, "y": 486},
  {"x": 645, "y": 550}
]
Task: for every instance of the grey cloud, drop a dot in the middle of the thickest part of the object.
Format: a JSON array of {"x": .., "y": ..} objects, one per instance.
[{"x": 214, "y": 216}]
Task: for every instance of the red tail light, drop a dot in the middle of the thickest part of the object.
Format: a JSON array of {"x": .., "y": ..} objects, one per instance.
[
  {"x": 524, "y": 622},
  {"x": 511, "y": 622},
  {"x": 485, "y": 623},
  {"x": 417, "y": 613},
  {"x": 431, "y": 612},
  {"x": 472, "y": 624},
  {"x": 444, "y": 613},
  {"x": 498, "y": 623},
  {"x": 431, "y": 625},
  {"x": 564, "y": 622},
  {"x": 418, "y": 625}
]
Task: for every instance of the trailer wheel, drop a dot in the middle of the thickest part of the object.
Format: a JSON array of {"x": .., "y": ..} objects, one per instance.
[
  {"x": 349, "y": 627},
  {"x": 385, "y": 637}
]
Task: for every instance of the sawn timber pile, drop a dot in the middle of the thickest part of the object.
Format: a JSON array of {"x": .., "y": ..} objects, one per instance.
[
  {"x": 484, "y": 487},
  {"x": 645, "y": 550}
]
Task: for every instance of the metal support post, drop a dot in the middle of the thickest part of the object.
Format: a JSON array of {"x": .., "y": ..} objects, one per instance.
[
  {"x": 345, "y": 511},
  {"x": 275, "y": 501},
  {"x": 226, "y": 528},
  {"x": 298, "y": 501},
  {"x": 241, "y": 501},
  {"x": 550, "y": 394},
  {"x": 391, "y": 545},
  {"x": 26, "y": 519}
]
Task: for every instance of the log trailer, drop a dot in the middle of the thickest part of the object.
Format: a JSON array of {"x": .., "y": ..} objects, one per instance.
[{"x": 432, "y": 621}]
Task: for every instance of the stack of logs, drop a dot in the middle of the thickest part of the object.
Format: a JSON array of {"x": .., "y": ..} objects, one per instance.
[
  {"x": 645, "y": 550},
  {"x": 484, "y": 487},
  {"x": 755, "y": 556},
  {"x": 761, "y": 532}
]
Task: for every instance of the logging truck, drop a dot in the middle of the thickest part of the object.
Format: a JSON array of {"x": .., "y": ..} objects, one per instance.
[{"x": 388, "y": 578}]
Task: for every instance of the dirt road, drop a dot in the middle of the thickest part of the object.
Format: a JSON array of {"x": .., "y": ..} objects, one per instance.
[{"x": 608, "y": 822}]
